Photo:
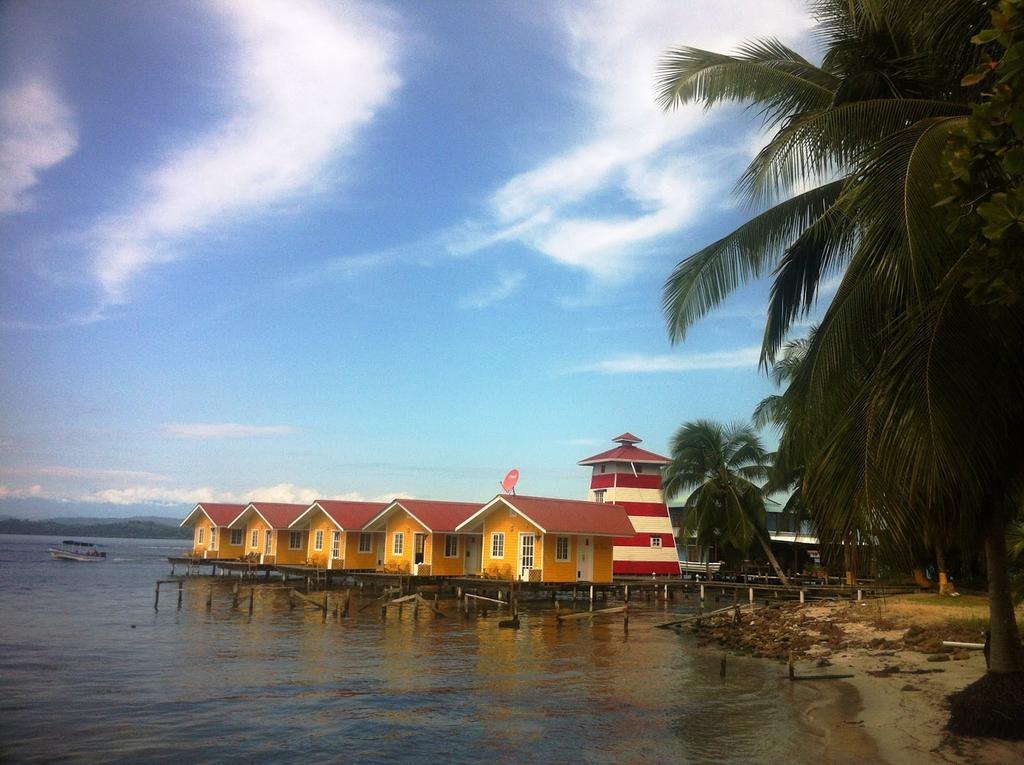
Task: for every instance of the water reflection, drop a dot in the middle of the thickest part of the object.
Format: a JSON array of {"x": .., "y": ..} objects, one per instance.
[{"x": 78, "y": 682}]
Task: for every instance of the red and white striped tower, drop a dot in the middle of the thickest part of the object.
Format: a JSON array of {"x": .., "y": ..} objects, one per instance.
[{"x": 631, "y": 477}]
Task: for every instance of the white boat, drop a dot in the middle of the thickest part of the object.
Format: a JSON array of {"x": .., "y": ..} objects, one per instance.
[{"x": 72, "y": 550}]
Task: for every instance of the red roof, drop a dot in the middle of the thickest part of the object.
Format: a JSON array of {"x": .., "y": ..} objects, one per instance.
[
  {"x": 439, "y": 516},
  {"x": 350, "y": 515},
  {"x": 572, "y": 516},
  {"x": 279, "y": 514},
  {"x": 221, "y": 514},
  {"x": 626, "y": 453},
  {"x": 627, "y": 438}
]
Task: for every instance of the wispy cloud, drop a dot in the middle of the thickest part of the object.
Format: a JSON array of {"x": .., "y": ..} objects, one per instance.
[
  {"x": 37, "y": 131},
  {"x": 635, "y": 153},
  {"x": 504, "y": 287},
  {"x": 306, "y": 77},
  {"x": 214, "y": 430},
  {"x": 739, "y": 358},
  {"x": 67, "y": 471},
  {"x": 147, "y": 494}
]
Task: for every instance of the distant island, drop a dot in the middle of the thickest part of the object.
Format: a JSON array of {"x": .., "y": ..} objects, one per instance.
[{"x": 123, "y": 528}]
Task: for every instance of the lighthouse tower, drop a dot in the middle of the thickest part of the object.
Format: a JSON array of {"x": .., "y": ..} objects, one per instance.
[{"x": 631, "y": 478}]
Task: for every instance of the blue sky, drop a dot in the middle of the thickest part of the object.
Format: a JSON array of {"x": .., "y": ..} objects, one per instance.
[{"x": 287, "y": 250}]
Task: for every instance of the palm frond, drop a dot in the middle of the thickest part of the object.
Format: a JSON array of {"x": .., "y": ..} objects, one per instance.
[{"x": 702, "y": 281}]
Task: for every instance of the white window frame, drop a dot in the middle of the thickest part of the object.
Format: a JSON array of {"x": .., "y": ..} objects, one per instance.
[
  {"x": 200, "y": 535},
  {"x": 318, "y": 540},
  {"x": 268, "y": 541},
  {"x": 451, "y": 546},
  {"x": 336, "y": 544},
  {"x": 368, "y": 546},
  {"x": 599, "y": 495},
  {"x": 237, "y": 537},
  {"x": 398, "y": 543},
  {"x": 655, "y": 541},
  {"x": 498, "y": 545},
  {"x": 295, "y": 540},
  {"x": 255, "y": 541},
  {"x": 559, "y": 557},
  {"x": 213, "y": 537}
]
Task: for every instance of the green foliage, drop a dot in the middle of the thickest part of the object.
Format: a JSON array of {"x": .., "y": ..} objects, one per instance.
[{"x": 985, "y": 160}]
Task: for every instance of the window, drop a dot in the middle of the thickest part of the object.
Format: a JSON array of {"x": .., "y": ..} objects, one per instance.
[
  {"x": 603, "y": 467},
  {"x": 295, "y": 540},
  {"x": 336, "y": 544},
  {"x": 398, "y": 543},
  {"x": 638, "y": 468},
  {"x": 451, "y": 546},
  {"x": 497, "y": 545},
  {"x": 561, "y": 548},
  {"x": 200, "y": 535},
  {"x": 318, "y": 540},
  {"x": 255, "y": 539},
  {"x": 599, "y": 495},
  {"x": 213, "y": 537},
  {"x": 268, "y": 539},
  {"x": 236, "y": 537},
  {"x": 365, "y": 543},
  {"x": 655, "y": 541}
]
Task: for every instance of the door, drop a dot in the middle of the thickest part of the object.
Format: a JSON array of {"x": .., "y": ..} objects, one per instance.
[
  {"x": 527, "y": 545},
  {"x": 335, "y": 545},
  {"x": 473, "y": 554},
  {"x": 268, "y": 547},
  {"x": 419, "y": 546},
  {"x": 381, "y": 541},
  {"x": 585, "y": 559}
]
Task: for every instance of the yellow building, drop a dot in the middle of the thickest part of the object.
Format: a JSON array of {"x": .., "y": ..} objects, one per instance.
[
  {"x": 211, "y": 536},
  {"x": 539, "y": 539},
  {"x": 420, "y": 537},
  {"x": 266, "y": 532},
  {"x": 335, "y": 536}
]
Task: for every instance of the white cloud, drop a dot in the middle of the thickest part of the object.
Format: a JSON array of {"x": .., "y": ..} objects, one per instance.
[
  {"x": 36, "y": 132},
  {"x": 740, "y": 358},
  {"x": 505, "y": 286},
  {"x": 631, "y": 149},
  {"x": 211, "y": 430},
  {"x": 307, "y": 76}
]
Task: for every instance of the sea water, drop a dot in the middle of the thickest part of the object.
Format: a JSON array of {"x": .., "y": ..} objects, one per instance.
[{"x": 89, "y": 672}]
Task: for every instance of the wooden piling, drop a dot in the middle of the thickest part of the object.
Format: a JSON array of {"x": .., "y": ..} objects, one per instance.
[
  {"x": 625, "y": 618},
  {"x": 792, "y": 670},
  {"x": 252, "y": 596},
  {"x": 234, "y": 596},
  {"x": 156, "y": 599},
  {"x": 209, "y": 599},
  {"x": 180, "y": 593},
  {"x": 721, "y": 669}
]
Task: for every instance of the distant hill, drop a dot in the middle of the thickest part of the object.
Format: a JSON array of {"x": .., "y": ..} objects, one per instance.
[{"x": 99, "y": 527}]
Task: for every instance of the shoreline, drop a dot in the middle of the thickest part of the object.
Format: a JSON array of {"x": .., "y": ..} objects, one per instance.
[{"x": 893, "y": 709}]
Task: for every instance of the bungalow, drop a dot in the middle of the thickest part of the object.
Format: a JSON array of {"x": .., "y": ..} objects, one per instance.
[
  {"x": 420, "y": 537},
  {"x": 211, "y": 536},
  {"x": 539, "y": 539},
  {"x": 335, "y": 536},
  {"x": 267, "y": 534}
]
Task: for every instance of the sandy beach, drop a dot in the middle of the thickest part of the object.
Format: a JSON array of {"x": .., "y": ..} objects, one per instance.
[{"x": 892, "y": 707}]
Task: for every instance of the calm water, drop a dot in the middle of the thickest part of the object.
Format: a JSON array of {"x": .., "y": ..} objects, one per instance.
[{"x": 79, "y": 683}]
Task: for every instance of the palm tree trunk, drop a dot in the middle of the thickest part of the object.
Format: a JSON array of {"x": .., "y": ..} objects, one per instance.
[
  {"x": 771, "y": 559},
  {"x": 940, "y": 564},
  {"x": 1005, "y": 653}
]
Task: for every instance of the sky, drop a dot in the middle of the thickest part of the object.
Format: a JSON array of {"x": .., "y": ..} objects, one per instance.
[{"x": 290, "y": 249}]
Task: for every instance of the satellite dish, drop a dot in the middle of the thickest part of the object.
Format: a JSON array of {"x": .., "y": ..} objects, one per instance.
[{"x": 509, "y": 484}]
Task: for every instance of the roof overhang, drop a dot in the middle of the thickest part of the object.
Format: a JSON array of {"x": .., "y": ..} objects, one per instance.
[
  {"x": 312, "y": 508},
  {"x": 197, "y": 509},
  {"x": 463, "y": 527},
  {"x": 393, "y": 507},
  {"x": 242, "y": 514}
]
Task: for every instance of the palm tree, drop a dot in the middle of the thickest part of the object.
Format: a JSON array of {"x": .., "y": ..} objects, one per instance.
[
  {"x": 720, "y": 466},
  {"x": 916, "y": 394}
]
